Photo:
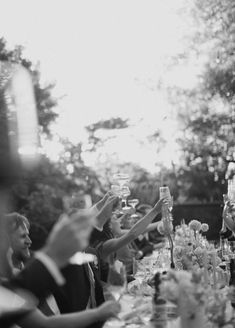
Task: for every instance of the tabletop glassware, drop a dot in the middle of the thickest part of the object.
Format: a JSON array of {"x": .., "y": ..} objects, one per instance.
[
  {"x": 125, "y": 192},
  {"x": 164, "y": 192},
  {"x": 117, "y": 281},
  {"x": 116, "y": 190},
  {"x": 133, "y": 203},
  {"x": 139, "y": 270},
  {"x": 121, "y": 178}
]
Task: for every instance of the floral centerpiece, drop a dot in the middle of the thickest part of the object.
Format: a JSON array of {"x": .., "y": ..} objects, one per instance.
[
  {"x": 219, "y": 313},
  {"x": 198, "y": 306},
  {"x": 191, "y": 247},
  {"x": 186, "y": 291}
]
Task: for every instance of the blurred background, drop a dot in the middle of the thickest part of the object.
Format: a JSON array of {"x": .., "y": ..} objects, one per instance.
[{"x": 142, "y": 87}]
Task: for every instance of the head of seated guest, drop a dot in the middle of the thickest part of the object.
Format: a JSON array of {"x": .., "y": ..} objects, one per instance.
[{"x": 17, "y": 228}]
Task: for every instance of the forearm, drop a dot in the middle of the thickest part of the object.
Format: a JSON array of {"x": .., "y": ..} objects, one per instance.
[
  {"x": 36, "y": 278},
  {"x": 141, "y": 226},
  {"x": 114, "y": 245},
  {"x": 73, "y": 320}
]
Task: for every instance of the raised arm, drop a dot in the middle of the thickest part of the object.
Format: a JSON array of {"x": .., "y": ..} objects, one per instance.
[
  {"x": 105, "y": 212},
  {"x": 139, "y": 228}
]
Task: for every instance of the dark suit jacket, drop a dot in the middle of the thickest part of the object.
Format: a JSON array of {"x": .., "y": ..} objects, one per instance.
[
  {"x": 144, "y": 246},
  {"x": 98, "y": 238},
  {"x": 35, "y": 278},
  {"x": 75, "y": 294}
]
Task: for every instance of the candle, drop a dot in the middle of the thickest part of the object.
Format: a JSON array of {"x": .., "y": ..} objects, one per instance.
[
  {"x": 214, "y": 269},
  {"x": 205, "y": 264}
]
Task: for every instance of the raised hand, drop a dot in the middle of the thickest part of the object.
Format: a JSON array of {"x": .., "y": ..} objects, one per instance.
[
  {"x": 69, "y": 235},
  {"x": 102, "y": 202},
  {"x": 160, "y": 203},
  {"x": 107, "y": 209}
]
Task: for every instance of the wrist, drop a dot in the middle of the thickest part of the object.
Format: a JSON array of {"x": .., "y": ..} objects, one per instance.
[{"x": 156, "y": 209}]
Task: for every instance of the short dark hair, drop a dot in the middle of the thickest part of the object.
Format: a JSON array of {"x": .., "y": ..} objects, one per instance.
[{"x": 15, "y": 220}]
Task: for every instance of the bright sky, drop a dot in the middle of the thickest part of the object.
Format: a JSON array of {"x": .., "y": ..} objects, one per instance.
[{"x": 106, "y": 57}]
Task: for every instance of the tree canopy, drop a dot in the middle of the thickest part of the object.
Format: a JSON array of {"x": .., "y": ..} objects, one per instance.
[{"x": 206, "y": 113}]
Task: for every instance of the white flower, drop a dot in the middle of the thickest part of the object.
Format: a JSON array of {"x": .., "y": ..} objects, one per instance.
[
  {"x": 178, "y": 250},
  {"x": 195, "y": 225},
  {"x": 205, "y": 227},
  {"x": 199, "y": 251}
]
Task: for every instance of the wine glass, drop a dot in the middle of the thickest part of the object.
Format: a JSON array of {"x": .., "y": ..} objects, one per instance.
[
  {"x": 125, "y": 192},
  {"x": 165, "y": 193},
  {"x": 133, "y": 203},
  {"x": 117, "y": 281},
  {"x": 121, "y": 179},
  {"x": 116, "y": 190}
]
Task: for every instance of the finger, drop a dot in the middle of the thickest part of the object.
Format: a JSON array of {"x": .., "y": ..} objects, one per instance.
[
  {"x": 111, "y": 200},
  {"x": 106, "y": 196}
]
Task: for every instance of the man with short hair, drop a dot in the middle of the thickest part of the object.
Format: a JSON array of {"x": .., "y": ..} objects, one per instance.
[{"x": 18, "y": 232}]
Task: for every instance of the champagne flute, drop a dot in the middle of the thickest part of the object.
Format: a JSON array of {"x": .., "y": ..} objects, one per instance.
[
  {"x": 116, "y": 190},
  {"x": 165, "y": 193}
]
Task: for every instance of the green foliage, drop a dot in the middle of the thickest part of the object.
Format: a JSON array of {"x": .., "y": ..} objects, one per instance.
[
  {"x": 44, "y": 100},
  {"x": 95, "y": 140},
  {"x": 206, "y": 113},
  {"x": 39, "y": 193}
]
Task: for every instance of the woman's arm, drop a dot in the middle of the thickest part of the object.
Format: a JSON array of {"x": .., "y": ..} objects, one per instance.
[
  {"x": 113, "y": 245},
  {"x": 37, "y": 319},
  {"x": 73, "y": 320},
  {"x": 150, "y": 227}
]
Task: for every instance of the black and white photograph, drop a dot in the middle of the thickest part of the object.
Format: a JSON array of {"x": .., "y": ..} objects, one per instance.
[{"x": 117, "y": 163}]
